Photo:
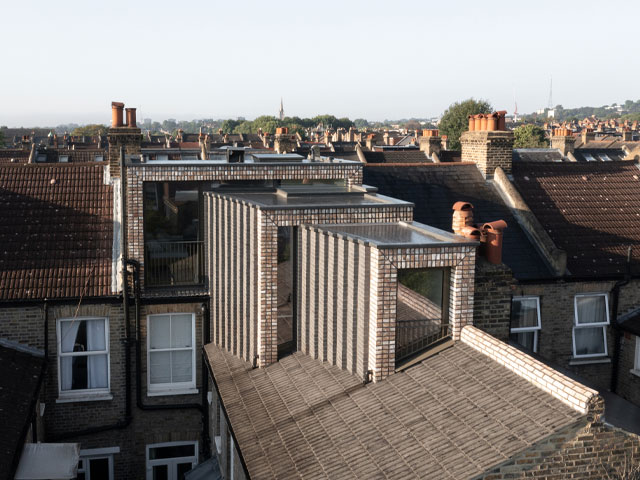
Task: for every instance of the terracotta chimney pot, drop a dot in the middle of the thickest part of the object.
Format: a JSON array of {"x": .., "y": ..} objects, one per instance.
[
  {"x": 483, "y": 122},
  {"x": 116, "y": 114},
  {"x": 494, "y": 237},
  {"x": 472, "y": 123},
  {"x": 492, "y": 122},
  {"x": 477, "y": 119},
  {"x": 131, "y": 117}
]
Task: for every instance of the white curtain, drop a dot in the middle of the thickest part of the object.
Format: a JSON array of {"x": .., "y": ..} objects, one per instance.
[
  {"x": 525, "y": 313},
  {"x": 96, "y": 364},
  {"x": 69, "y": 333},
  {"x": 591, "y": 309}
]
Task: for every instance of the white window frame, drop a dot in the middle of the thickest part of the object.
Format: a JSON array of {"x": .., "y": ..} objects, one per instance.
[
  {"x": 170, "y": 461},
  {"x": 535, "y": 330},
  {"x": 604, "y": 325},
  {"x": 96, "y": 454},
  {"x": 181, "y": 388},
  {"x": 89, "y": 393}
]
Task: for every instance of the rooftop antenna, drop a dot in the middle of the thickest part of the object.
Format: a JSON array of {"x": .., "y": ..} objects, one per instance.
[{"x": 281, "y": 110}]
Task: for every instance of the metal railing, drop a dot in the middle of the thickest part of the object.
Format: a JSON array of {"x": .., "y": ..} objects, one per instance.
[
  {"x": 413, "y": 336},
  {"x": 173, "y": 263}
]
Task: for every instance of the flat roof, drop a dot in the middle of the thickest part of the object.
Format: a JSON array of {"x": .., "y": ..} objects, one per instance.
[
  {"x": 396, "y": 234},
  {"x": 314, "y": 198}
]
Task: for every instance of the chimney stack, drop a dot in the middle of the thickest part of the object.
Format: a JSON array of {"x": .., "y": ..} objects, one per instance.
[
  {"x": 588, "y": 135},
  {"x": 430, "y": 142},
  {"x": 121, "y": 135},
  {"x": 487, "y": 143},
  {"x": 563, "y": 140},
  {"x": 116, "y": 114},
  {"x": 627, "y": 134}
]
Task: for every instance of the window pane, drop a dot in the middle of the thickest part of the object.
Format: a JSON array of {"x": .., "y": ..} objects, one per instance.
[
  {"x": 95, "y": 335},
  {"x": 181, "y": 331},
  {"x": 182, "y": 469},
  {"x": 525, "y": 339},
  {"x": 97, "y": 370},
  {"x": 160, "y": 472},
  {"x": 172, "y": 451},
  {"x": 427, "y": 282},
  {"x": 589, "y": 341},
  {"x": 73, "y": 373},
  {"x": 160, "y": 367},
  {"x": 99, "y": 469},
  {"x": 591, "y": 309},
  {"x": 73, "y": 337},
  {"x": 181, "y": 366},
  {"x": 524, "y": 313},
  {"x": 160, "y": 330}
]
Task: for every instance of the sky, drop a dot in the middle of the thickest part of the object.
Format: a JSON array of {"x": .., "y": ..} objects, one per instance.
[{"x": 66, "y": 61}]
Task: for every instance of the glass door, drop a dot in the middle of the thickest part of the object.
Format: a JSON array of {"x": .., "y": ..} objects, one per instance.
[{"x": 170, "y": 461}]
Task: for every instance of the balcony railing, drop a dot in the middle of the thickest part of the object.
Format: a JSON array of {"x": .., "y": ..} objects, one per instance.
[
  {"x": 414, "y": 336},
  {"x": 173, "y": 263}
]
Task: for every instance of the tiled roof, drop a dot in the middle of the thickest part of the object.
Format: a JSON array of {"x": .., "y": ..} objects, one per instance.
[
  {"x": 591, "y": 210},
  {"x": 56, "y": 231},
  {"x": 397, "y": 156},
  {"x": 434, "y": 188},
  {"x": 453, "y": 416},
  {"x": 20, "y": 374},
  {"x": 18, "y": 156}
]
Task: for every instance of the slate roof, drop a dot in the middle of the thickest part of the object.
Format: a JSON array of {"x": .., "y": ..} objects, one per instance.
[
  {"x": 397, "y": 156},
  {"x": 20, "y": 381},
  {"x": 17, "y": 155},
  {"x": 630, "y": 322},
  {"x": 453, "y": 416},
  {"x": 55, "y": 238},
  {"x": 434, "y": 188},
  {"x": 537, "y": 155},
  {"x": 591, "y": 210}
]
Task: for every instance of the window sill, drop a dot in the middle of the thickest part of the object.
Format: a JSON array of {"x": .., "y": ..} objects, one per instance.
[
  {"x": 589, "y": 361},
  {"x": 85, "y": 397},
  {"x": 164, "y": 393},
  {"x": 635, "y": 372}
]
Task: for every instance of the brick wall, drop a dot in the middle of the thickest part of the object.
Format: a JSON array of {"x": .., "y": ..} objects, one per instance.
[
  {"x": 558, "y": 317},
  {"x": 354, "y": 306},
  {"x": 129, "y": 138},
  {"x": 492, "y": 300},
  {"x": 594, "y": 450},
  {"x": 488, "y": 150},
  {"x": 242, "y": 254}
]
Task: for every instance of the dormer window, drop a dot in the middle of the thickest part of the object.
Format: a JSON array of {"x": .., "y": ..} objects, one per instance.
[{"x": 63, "y": 158}]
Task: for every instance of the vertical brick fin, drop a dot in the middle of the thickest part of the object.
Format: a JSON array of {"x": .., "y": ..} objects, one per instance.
[
  {"x": 321, "y": 285},
  {"x": 569, "y": 392}
]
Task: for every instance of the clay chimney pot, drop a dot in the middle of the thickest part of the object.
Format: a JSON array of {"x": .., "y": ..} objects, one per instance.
[
  {"x": 116, "y": 114},
  {"x": 131, "y": 117}
]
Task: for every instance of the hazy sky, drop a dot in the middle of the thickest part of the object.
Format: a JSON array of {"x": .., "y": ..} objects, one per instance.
[{"x": 66, "y": 61}]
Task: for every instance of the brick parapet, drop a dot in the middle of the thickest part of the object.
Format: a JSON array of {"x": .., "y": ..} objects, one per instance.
[{"x": 577, "y": 396}]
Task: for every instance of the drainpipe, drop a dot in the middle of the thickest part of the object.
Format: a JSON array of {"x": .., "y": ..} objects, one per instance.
[
  {"x": 206, "y": 338},
  {"x": 615, "y": 295},
  {"x": 126, "y": 421}
]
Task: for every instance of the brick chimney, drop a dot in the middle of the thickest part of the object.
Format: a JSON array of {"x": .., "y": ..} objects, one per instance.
[
  {"x": 563, "y": 140},
  {"x": 430, "y": 142},
  {"x": 588, "y": 135},
  {"x": 627, "y": 134},
  {"x": 283, "y": 142},
  {"x": 120, "y": 135},
  {"x": 488, "y": 149}
]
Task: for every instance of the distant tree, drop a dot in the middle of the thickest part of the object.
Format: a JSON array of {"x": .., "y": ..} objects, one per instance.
[
  {"x": 229, "y": 125},
  {"x": 454, "y": 120},
  {"x": 89, "y": 130},
  {"x": 1, "y": 138},
  {"x": 361, "y": 123},
  {"x": 412, "y": 125},
  {"x": 529, "y": 136}
]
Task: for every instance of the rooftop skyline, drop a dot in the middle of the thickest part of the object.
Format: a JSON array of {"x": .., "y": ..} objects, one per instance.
[{"x": 358, "y": 59}]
